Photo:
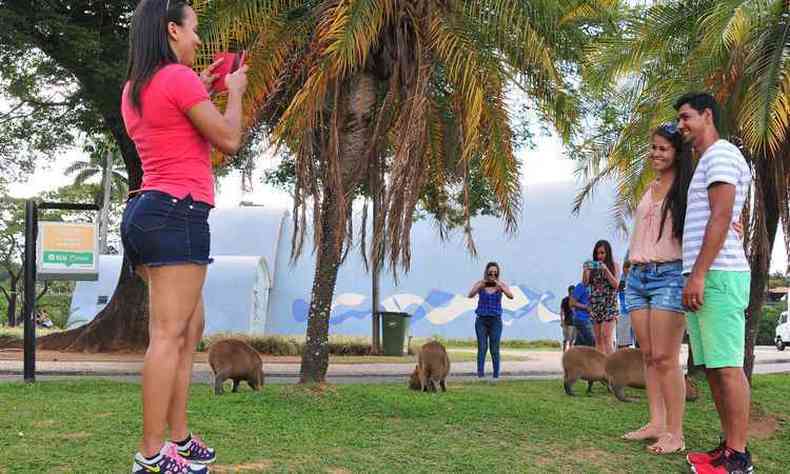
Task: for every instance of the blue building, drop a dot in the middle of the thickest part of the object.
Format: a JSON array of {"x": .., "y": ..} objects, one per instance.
[{"x": 252, "y": 288}]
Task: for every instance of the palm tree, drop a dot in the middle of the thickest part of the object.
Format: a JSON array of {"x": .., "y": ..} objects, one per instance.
[
  {"x": 412, "y": 89},
  {"x": 737, "y": 50},
  {"x": 103, "y": 160},
  {"x": 96, "y": 167}
]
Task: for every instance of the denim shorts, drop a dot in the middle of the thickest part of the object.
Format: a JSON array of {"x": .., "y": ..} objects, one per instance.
[
  {"x": 158, "y": 229},
  {"x": 655, "y": 286}
]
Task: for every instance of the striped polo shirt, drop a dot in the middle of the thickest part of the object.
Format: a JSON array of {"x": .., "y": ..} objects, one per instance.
[{"x": 722, "y": 162}]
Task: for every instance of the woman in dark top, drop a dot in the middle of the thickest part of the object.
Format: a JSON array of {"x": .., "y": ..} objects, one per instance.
[
  {"x": 566, "y": 321},
  {"x": 488, "y": 324}
]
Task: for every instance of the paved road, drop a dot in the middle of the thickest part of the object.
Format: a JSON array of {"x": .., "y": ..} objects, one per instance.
[{"x": 537, "y": 364}]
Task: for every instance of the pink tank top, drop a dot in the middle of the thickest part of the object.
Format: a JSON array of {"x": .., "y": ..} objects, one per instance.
[{"x": 645, "y": 246}]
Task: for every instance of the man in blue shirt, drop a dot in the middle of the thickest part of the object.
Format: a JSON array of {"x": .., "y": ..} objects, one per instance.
[{"x": 580, "y": 301}]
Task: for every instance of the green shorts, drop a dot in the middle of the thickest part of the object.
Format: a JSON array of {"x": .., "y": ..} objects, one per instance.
[{"x": 718, "y": 330}]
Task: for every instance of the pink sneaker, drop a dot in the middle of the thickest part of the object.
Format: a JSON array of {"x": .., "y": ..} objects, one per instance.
[{"x": 168, "y": 461}]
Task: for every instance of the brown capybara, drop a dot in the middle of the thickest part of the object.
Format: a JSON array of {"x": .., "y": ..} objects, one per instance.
[
  {"x": 433, "y": 365},
  {"x": 625, "y": 368},
  {"x": 586, "y": 363},
  {"x": 236, "y": 360}
]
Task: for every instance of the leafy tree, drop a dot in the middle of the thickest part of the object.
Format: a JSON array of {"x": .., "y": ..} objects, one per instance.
[
  {"x": 11, "y": 248},
  {"x": 63, "y": 63}
]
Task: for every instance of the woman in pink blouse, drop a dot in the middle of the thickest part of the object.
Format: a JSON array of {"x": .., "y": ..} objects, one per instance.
[
  {"x": 165, "y": 232},
  {"x": 654, "y": 287}
]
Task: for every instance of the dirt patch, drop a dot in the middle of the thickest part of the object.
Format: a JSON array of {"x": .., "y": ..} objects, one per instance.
[
  {"x": 606, "y": 462},
  {"x": 43, "y": 423},
  {"x": 259, "y": 466},
  {"x": 10, "y": 342},
  {"x": 317, "y": 390},
  {"x": 77, "y": 435},
  {"x": 337, "y": 470},
  {"x": 103, "y": 415},
  {"x": 763, "y": 426}
]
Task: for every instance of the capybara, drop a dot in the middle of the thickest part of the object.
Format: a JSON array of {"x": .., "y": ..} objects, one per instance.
[
  {"x": 236, "y": 360},
  {"x": 586, "y": 363},
  {"x": 625, "y": 368},
  {"x": 433, "y": 365}
]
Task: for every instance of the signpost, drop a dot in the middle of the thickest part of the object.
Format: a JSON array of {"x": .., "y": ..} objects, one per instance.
[
  {"x": 54, "y": 251},
  {"x": 67, "y": 251}
]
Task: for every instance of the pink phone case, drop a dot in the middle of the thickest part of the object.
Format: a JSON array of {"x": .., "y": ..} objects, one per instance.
[{"x": 232, "y": 62}]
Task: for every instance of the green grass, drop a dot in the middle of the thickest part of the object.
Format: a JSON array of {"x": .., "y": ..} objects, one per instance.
[
  {"x": 520, "y": 426},
  {"x": 541, "y": 344},
  {"x": 18, "y": 332}
]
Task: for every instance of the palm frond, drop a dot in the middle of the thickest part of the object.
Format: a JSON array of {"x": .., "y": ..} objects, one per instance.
[
  {"x": 85, "y": 175},
  {"x": 77, "y": 166},
  {"x": 765, "y": 115}
]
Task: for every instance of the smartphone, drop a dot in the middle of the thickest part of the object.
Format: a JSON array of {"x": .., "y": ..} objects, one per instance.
[
  {"x": 232, "y": 62},
  {"x": 592, "y": 264},
  {"x": 490, "y": 283}
]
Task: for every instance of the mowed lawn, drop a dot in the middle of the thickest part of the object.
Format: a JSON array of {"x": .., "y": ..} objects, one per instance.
[{"x": 518, "y": 426}]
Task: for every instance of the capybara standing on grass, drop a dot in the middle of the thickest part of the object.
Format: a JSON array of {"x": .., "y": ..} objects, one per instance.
[
  {"x": 626, "y": 368},
  {"x": 236, "y": 360},
  {"x": 433, "y": 365},
  {"x": 586, "y": 363}
]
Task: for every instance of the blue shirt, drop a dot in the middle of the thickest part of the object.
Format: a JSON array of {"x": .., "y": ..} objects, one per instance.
[
  {"x": 582, "y": 296},
  {"x": 489, "y": 304}
]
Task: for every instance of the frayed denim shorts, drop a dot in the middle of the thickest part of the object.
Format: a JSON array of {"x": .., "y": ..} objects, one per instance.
[
  {"x": 158, "y": 229},
  {"x": 655, "y": 286}
]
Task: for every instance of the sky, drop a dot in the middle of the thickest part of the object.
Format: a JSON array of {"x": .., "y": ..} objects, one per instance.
[{"x": 545, "y": 163}]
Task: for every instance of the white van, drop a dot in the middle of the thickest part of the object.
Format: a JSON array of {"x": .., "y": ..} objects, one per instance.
[{"x": 782, "y": 332}]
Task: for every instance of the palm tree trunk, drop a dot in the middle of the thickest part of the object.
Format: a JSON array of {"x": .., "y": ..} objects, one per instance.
[
  {"x": 104, "y": 213},
  {"x": 760, "y": 259},
  {"x": 12, "y": 299},
  {"x": 375, "y": 268},
  {"x": 357, "y": 100},
  {"x": 315, "y": 358}
]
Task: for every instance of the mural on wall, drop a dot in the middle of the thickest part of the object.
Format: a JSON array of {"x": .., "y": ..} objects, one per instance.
[{"x": 526, "y": 316}]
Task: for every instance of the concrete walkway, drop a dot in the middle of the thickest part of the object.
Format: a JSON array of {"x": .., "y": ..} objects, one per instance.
[{"x": 537, "y": 364}]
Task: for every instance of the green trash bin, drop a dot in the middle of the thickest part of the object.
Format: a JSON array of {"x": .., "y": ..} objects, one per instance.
[{"x": 393, "y": 328}]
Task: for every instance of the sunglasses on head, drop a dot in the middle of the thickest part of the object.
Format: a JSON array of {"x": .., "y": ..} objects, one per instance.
[{"x": 669, "y": 128}]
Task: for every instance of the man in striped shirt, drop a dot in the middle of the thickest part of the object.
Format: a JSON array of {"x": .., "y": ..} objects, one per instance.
[{"x": 718, "y": 278}]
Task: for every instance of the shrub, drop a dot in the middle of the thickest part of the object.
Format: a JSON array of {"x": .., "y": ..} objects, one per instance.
[
  {"x": 277, "y": 345},
  {"x": 766, "y": 329}
]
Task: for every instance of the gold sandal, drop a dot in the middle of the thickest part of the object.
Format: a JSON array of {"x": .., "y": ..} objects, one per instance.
[{"x": 658, "y": 450}]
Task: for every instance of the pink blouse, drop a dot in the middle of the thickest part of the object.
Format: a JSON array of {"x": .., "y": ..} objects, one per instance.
[{"x": 645, "y": 246}]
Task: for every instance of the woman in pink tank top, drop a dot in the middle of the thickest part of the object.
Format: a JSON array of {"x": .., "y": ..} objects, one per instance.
[
  {"x": 654, "y": 286},
  {"x": 168, "y": 114}
]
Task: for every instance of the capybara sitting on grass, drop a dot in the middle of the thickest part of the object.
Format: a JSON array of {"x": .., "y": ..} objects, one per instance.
[
  {"x": 433, "y": 365},
  {"x": 236, "y": 360},
  {"x": 586, "y": 363},
  {"x": 625, "y": 368}
]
